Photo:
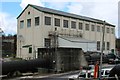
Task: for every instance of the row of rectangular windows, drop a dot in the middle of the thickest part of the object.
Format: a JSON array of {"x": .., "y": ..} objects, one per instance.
[
  {"x": 107, "y": 45},
  {"x": 66, "y": 24}
]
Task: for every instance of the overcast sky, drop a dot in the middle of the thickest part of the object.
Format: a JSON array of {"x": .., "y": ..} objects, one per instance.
[{"x": 100, "y": 9}]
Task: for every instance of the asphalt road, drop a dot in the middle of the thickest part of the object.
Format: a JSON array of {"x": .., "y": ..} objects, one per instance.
[{"x": 61, "y": 76}]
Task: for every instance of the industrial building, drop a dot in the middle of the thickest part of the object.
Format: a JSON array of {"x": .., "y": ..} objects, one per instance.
[
  {"x": 11, "y": 49},
  {"x": 61, "y": 36}
]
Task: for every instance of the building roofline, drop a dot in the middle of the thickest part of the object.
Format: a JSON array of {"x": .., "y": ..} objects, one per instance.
[{"x": 66, "y": 14}]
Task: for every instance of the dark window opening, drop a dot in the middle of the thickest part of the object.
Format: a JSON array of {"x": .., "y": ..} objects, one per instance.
[
  {"x": 28, "y": 22},
  {"x": 87, "y": 27},
  {"x": 29, "y": 13},
  {"x": 47, "y": 20},
  {"x": 47, "y": 42},
  {"x": 80, "y": 26},
  {"x": 36, "y": 21},
  {"x": 57, "y": 22},
  {"x": 98, "y": 45},
  {"x": 73, "y": 24},
  {"x": 30, "y": 49},
  {"x": 65, "y": 23}
]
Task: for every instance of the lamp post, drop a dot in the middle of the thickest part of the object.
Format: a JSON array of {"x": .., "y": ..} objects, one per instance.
[
  {"x": 1, "y": 33},
  {"x": 100, "y": 69}
]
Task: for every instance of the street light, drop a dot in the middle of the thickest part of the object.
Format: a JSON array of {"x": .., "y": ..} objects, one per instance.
[
  {"x": 1, "y": 33},
  {"x": 102, "y": 50}
]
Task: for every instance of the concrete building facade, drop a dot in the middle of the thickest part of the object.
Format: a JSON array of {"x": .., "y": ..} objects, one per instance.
[{"x": 36, "y": 24}]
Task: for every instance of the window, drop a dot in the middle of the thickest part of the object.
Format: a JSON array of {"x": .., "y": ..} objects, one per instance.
[
  {"x": 92, "y": 28},
  {"x": 57, "y": 22},
  {"x": 98, "y": 45},
  {"x": 65, "y": 23},
  {"x": 29, "y": 13},
  {"x": 98, "y": 28},
  {"x": 30, "y": 49},
  {"x": 108, "y": 45},
  {"x": 107, "y": 72},
  {"x": 73, "y": 24},
  {"x": 80, "y": 25},
  {"x": 108, "y": 30},
  {"x": 28, "y": 22},
  {"x": 87, "y": 27},
  {"x": 36, "y": 21},
  {"x": 22, "y": 24},
  {"x": 47, "y": 42},
  {"x": 47, "y": 20},
  {"x": 112, "y": 30}
]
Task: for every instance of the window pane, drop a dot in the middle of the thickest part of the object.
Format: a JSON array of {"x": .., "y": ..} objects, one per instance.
[
  {"x": 87, "y": 27},
  {"x": 73, "y": 24},
  {"x": 108, "y": 45},
  {"x": 47, "y": 42},
  {"x": 22, "y": 24},
  {"x": 103, "y": 29},
  {"x": 47, "y": 20},
  {"x": 30, "y": 49},
  {"x": 57, "y": 22},
  {"x": 92, "y": 28},
  {"x": 112, "y": 30},
  {"x": 98, "y": 28},
  {"x": 80, "y": 26},
  {"x": 28, "y": 22},
  {"x": 65, "y": 23},
  {"x": 108, "y": 30},
  {"x": 98, "y": 45},
  {"x": 36, "y": 21}
]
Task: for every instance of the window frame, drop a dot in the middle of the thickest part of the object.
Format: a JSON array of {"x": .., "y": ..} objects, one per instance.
[
  {"x": 73, "y": 25},
  {"x": 108, "y": 30},
  {"x": 87, "y": 27},
  {"x": 56, "y": 21},
  {"x": 108, "y": 45},
  {"x": 46, "y": 21},
  {"x": 37, "y": 21},
  {"x": 47, "y": 42},
  {"x": 98, "y": 29},
  {"x": 21, "y": 24},
  {"x": 112, "y": 30},
  {"x": 28, "y": 23},
  {"x": 30, "y": 49},
  {"x": 65, "y": 25},
  {"x": 92, "y": 27},
  {"x": 98, "y": 45},
  {"x": 80, "y": 26}
]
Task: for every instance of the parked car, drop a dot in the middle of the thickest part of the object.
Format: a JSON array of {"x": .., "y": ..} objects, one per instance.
[
  {"x": 82, "y": 74},
  {"x": 92, "y": 57},
  {"x": 113, "y": 59},
  {"x": 90, "y": 74}
]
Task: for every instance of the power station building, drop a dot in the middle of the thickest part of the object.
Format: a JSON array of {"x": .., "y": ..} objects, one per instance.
[{"x": 42, "y": 31}]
